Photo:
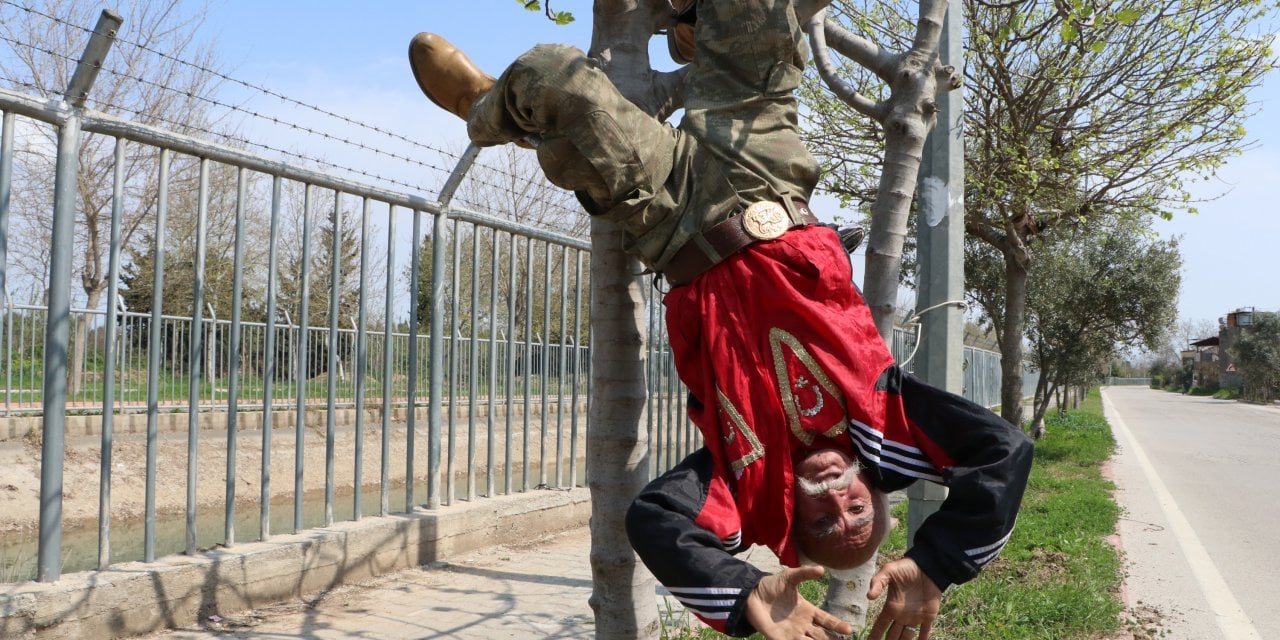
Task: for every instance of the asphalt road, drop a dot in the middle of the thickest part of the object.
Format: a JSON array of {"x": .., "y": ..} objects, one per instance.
[{"x": 1199, "y": 480}]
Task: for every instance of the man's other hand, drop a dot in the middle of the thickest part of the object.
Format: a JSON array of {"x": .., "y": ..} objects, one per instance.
[
  {"x": 777, "y": 610},
  {"x": 911, "y": 606}
]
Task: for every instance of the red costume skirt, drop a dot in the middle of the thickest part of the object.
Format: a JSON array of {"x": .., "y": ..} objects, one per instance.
[{"x": 780, "y": 350}]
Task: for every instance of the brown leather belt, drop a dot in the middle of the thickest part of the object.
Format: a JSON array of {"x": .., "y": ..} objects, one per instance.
[{"x": 719, "y": 242}]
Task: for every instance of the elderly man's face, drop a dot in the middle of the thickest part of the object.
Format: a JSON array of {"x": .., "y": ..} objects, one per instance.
[{"x": 839, "y": 519}]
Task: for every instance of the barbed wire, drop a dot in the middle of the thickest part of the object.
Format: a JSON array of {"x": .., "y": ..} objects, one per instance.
[
  {"x": 272, "y": 119},
  {"x": 276, "y": 121},
  {"x": 120, "y": 39},
  {"x": 33, "y": 47}
]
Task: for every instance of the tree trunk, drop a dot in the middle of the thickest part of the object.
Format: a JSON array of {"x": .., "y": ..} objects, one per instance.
[
  {"x": 622, "y": 594},
  {"x": 904, "y": 144},
  {"x": 912, "y": 115},
  {"x": 79, "y": 346},
  {"x": 622, "y": 589},
  {"x": 1040, "y": 405},
  {"x": 1011, "y": 339}
]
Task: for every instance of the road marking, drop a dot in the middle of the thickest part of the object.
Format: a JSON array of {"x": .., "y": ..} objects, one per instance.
[{"x": 1231, "y": 618}]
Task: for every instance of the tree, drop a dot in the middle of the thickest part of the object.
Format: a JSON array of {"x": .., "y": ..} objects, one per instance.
[
  {"x": 1257, "y": 355},
  {"x": 1092, "y": 296},
  {"x": 137, "y": 84},
  {"x": 1079, "y": 118},
  {"x": 1076, "y": 112}
]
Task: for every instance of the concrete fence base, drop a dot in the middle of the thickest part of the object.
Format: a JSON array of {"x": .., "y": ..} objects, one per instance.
[{"x": 135, "y": 598}]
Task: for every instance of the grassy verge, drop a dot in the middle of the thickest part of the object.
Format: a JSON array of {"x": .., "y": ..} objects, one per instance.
[{"x": 1058, "y": 578}]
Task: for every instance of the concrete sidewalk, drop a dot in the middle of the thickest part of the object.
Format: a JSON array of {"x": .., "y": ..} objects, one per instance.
[{"x": 530, "y": 590}]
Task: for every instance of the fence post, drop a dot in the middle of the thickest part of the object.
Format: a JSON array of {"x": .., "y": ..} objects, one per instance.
[
  {"x": 57, "y": 322},
  {"x": 436, "y": 356},
  {"x": 195, "y": 350},
  {"x": 6, "y": 305},
  {"x": 109, "y": 360}
]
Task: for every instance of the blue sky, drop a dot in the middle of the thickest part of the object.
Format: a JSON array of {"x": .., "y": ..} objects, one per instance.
[{"x": 350, "y": 58}]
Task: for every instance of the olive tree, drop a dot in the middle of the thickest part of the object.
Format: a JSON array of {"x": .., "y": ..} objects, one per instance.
[
  {"x": 1257, "y": 352},
  {"x": 1077, "y": 119},
  {"x": 1107, "y": 290}
]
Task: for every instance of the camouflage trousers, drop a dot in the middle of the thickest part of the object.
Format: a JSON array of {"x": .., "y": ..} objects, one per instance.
[{"x": 738, "y": 141}]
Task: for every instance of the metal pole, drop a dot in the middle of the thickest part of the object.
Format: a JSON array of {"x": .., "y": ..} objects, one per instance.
[
  {"x": 109, "y": 358},
  {"x": 6, "y": 184},
  {"x": 330, "y": 428},
  {"x": 542, "y": 363},
  {"x": 436, "y": 356},
  {"x": 362, "y": 364},
  {"x": 233, "y": 359},
  {"x": 58, "y": 320},
  {"x": 577, "y": 360},
  {"x": 473, "y": 348},
  {"x": 454, "y": 330},
  {"x": 57, "y": 340},
  {"x": 193, "y": 356},
  {"x": 6, "y": 173},
  {"x": 154, "y": 347},
  {"x": 662, "y": 437},
  {"x": 509, "y": 384},
  {"x": 269, "y": 360},
  {"x": 940, "y": 246},
  {"x": 564, "y": 327},
  {"x": 415, "y": 290},
  {"x": 304, "y": 319},
  {"x": 490, "y": 482},
  {"x": 455, "y": 177},
  {"x": 528, "y": 358},
  {"x": 387, "y": 371}
]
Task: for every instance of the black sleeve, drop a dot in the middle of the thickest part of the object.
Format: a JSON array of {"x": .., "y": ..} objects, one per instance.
[
  {"x": 692, "y": 562},
  {"x": 985, "y": 465}
]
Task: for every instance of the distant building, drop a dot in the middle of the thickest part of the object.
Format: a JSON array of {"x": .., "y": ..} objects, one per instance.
[
  {"x": 1211, "y": 356},
  {"x": 1203, "y": 357},
  {"x": 1229, "y": 329}
]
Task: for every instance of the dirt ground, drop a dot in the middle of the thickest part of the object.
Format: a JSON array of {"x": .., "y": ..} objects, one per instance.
[{"x": 20, "y": 468}]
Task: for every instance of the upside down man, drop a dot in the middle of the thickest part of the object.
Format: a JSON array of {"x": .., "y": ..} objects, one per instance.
[{"x": 806, "y": 420}]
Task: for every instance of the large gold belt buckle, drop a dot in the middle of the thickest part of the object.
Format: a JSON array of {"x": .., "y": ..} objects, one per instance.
[{"x": 765, "y": 220}]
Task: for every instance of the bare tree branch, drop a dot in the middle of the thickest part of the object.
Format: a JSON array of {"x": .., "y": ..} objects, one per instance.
[{"x": 817, "y": 27}]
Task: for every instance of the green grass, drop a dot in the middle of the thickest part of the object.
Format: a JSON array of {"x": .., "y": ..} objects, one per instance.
[
  {"x": 1227, "y": 394},
  {"x": 1058, "y": 578}
]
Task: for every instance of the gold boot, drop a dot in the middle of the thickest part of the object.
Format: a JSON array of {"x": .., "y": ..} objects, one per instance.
[{"x": 446, "y": 75}]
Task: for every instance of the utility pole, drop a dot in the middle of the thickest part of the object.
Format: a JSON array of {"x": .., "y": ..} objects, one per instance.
[{"x": 940, "y": 247}]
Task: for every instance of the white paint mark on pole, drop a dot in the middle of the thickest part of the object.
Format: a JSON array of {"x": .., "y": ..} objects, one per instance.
[
  {"x": 935, "y": 192},
  {"x": 1227, "y": 612}
]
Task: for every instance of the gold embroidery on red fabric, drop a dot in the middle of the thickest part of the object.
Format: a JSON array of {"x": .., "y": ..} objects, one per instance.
[
  {"x": 736, "y": 420},
  {"x": 821, "y": 381}
]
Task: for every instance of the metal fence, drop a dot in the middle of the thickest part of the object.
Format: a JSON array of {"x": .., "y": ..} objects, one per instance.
[
  {"x": 22, "y": 335},
  {"x": 494, "y": 362},
  {"x": 1114, "y": 380}
]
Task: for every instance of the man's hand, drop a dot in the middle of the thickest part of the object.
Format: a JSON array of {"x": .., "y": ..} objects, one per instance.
[
  {"x": 777, "y": 610},
  {"x": 912, "y": 603}
]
